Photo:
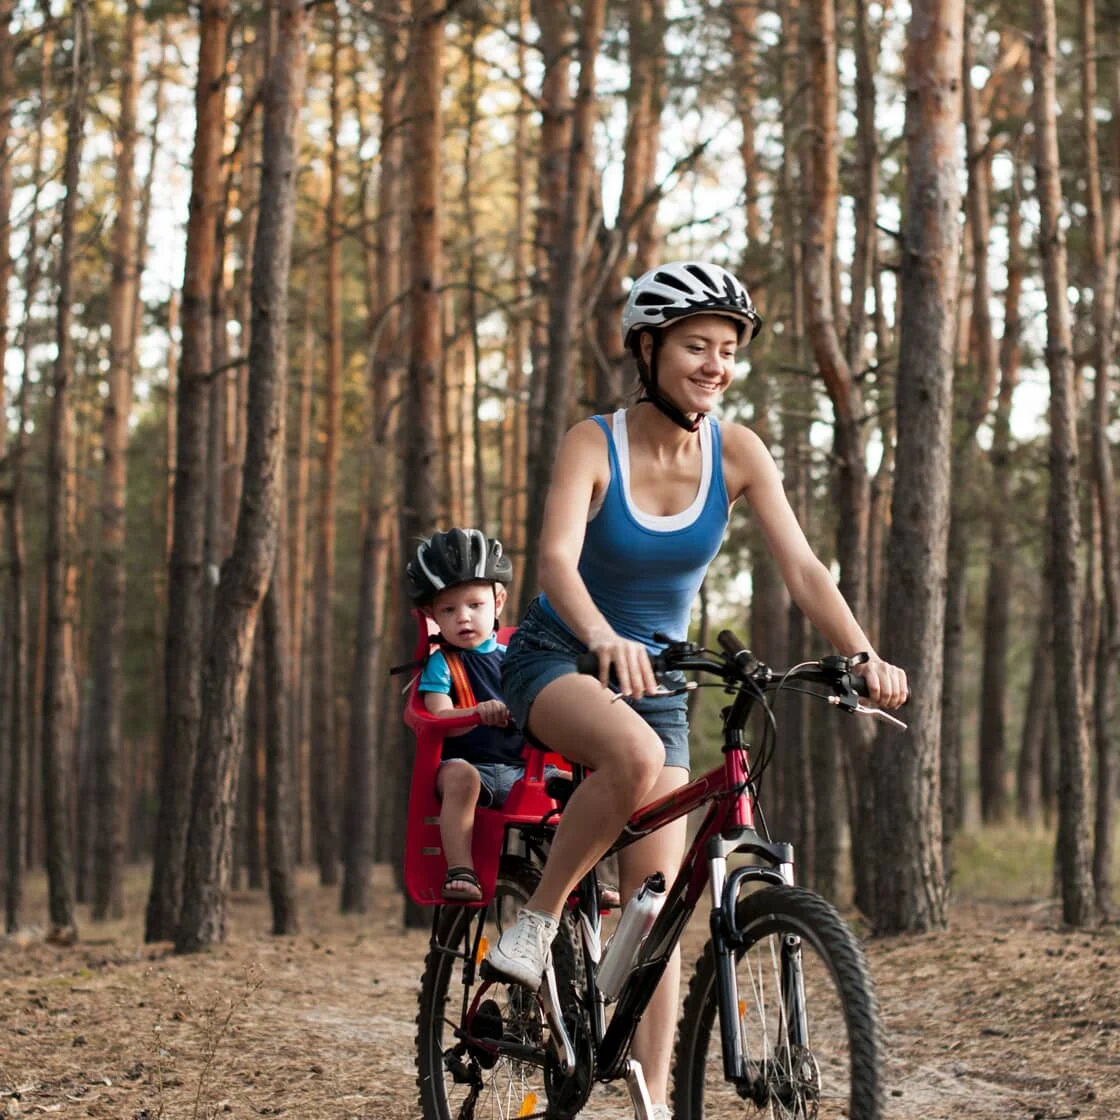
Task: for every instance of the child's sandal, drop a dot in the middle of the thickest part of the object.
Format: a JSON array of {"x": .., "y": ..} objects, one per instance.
[{"x": 461, "y": 885}]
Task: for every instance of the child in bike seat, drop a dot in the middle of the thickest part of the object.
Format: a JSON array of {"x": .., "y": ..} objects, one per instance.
[{"x": 458, "y": 578}]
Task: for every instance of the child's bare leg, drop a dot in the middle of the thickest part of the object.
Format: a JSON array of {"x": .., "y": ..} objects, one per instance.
[{"x": 458, "y": 786}]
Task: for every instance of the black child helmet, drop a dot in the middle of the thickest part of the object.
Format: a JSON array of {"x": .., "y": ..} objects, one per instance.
[{"x": 454, "y": 557}]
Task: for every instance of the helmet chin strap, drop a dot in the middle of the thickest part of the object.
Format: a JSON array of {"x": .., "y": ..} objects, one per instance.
[{"x": 654, "y": 396}]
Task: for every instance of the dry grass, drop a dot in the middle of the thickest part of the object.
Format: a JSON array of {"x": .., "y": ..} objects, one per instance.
[{"x": 1002, "y": 1016}]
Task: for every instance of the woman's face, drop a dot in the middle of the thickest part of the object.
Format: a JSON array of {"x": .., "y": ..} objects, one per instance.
[{"x": 696, "y": 360}]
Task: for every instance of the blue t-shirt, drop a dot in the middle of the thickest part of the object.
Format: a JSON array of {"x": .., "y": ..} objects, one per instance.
[
  {"x": 643, "y": 571},
  {"x": 483, "y": 667}
]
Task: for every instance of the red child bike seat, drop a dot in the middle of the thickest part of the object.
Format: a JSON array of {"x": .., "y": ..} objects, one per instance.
[{"x": 425, "y": 866}]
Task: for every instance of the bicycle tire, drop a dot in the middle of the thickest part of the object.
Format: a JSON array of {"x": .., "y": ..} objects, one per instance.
[
  {"x": 454, "y": 1080},
  {"x": 839, "y": 1074}
]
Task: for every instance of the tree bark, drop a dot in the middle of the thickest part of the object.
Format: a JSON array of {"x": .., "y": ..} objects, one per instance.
[
  {"x": 419, "y": 500},
  {"x": 324, "y": 745},
  {"x": 1073, "y": 855},
  {"x": 910, "y": 887},
  {"x": 564, "y": 299},
  {"x": 108, "y": 681},
  {"x": 185, "y": 620},
  {"x": 20, "y": 726},
  {"x": 58, "y": 713},
  {"x": 247, "y": 573},
  {"x": 1103, "y": 264},
  {"x": 997, "y": 599}
]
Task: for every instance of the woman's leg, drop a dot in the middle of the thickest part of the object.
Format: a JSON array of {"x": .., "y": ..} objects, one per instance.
[
  {"x": 576, "y": 716},
  {"x": 661, "y": 851},
  {"x": 458, "y": 786}
]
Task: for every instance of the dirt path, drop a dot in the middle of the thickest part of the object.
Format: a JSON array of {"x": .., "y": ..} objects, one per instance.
[{"x": 1002, "y": 1017}]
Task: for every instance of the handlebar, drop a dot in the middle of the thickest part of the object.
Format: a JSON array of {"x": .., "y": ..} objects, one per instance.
[{"x": 738, "y": 667}]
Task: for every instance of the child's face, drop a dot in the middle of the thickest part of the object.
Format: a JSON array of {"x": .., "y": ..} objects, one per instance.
[{"x": 466, "y": 614}]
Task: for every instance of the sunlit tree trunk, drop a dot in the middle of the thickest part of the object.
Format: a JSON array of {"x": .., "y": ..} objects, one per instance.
[
  {"x": 564, "y": 297},
  {"x": 849, "y": 439},
  {"x": 58, "y": 716},
  {"x": 865, "y": 194},
  {"x": 324, "y": 745},
  {"x": 910, "y": 885},
  {"x": 108, "y": 680},
  {"x": 514, "y": 425},
  {"x": 19, "y": 725},
  {"x": 1072, "y": 854},
  {"x": 297, "y": 574},
  {"x": 419, "y": 500},
  {"x": 185, "y": 621},
  {"x": 554, "y": 25},
  {"x": 646, "y": 49},
  {"x": 1103, "y": 264},
  {"x": 387, "y": 348},
  {"x": 247, "y": 573}
]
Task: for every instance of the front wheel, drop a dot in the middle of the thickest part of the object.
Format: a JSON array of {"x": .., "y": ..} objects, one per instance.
[{"x": 813, "y": 1058}]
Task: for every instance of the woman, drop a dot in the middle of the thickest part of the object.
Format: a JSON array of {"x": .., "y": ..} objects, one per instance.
[{"x": 636, "y": 510}]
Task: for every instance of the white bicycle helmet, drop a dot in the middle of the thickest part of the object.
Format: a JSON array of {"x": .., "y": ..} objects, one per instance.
[
  {"x": 452, "y": 558},
  {"x": 676, "y": 291},
  {"x": 683, "y": 288}
]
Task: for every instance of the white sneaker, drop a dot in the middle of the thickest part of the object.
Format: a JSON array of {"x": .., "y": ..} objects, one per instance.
[
  {"x": 522, "y": 952},
  {"x": 661, "y": 1112}
]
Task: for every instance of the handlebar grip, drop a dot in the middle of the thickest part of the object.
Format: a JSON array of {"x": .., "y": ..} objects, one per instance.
[
  {"x": 730, "y": 643},
  {"x": 734, "y": 648},
  {"x": 588, "y": 663},
  {"x": 859, "y": 685}
]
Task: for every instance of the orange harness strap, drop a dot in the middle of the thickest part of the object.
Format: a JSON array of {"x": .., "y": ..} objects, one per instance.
[{"x": 460, "y": 682}]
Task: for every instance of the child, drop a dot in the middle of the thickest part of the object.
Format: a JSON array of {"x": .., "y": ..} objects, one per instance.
[{"x": 458, "y": 578}]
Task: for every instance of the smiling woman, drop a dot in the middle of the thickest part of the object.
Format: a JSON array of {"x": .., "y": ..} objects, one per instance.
[{"x": 637, "y": 509}]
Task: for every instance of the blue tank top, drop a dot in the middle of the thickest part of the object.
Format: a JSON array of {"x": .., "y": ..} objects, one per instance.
[{"x": 643, "y": 572}]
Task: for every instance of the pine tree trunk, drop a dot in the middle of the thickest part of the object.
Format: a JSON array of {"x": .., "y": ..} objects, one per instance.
[
  {"x": 185, "y": 617},
  {"x": 515, "y": 421},
  {"x": 301, "y": 747},
  {"x": 910, "y": 886},
  {"x": 324, "y": 744},
  {"x": 1072, "y": 855},
  {"x": 58, "y": 715},
  {"x": 278, "y": 754},
  {"x": 553, "y": 20},
  {"x": 997, "y": 599},
  {"x": 646, "y": 48},
  {"x": 421, "y": 392},
  {"x": 20, "y": 722},
  {"x": 387, "y": 349},
  {"x": 108, "y": 681},
  {"x": 247, "y": 573},
  {"x": 1104, "y": 294},
  {"x": 564, "y": 298},
  {"x": 849, "y": 439}
]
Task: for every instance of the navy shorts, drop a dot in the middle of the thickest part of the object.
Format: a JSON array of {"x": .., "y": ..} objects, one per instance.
[{"x": 543, "y": 649}]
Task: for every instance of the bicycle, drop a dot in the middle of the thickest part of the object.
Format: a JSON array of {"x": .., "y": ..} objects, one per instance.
[{"x": 780, "y": 1017}]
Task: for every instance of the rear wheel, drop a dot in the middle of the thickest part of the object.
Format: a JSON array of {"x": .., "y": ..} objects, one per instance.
[
  {"x": 481, "y": 1046},
  {"x": 813, "y": 1059}
]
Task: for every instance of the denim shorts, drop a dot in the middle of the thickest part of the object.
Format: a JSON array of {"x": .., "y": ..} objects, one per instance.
[
  {"x": 543, "y": 649},
  {"x": 497, "y": 780}
]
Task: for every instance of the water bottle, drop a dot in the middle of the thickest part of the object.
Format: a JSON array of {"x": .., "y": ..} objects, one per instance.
[{"x": 635, "y": 923}]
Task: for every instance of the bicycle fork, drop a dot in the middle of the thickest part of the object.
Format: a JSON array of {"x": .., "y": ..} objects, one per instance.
[{"x": 725, "y": 891}]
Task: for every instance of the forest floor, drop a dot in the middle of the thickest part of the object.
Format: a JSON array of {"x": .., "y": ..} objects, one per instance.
[{"x": 1003, "y": 1016}]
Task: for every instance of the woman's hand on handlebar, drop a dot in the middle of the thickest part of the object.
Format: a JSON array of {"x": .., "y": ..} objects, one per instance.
[
  {"x": 629, "y": 660},
  {"x": 886, "y": 683}
]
